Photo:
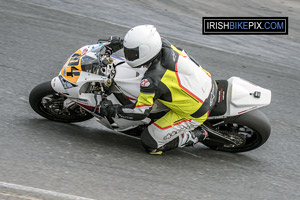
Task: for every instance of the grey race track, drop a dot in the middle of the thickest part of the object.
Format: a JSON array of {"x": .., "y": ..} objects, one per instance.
[{"x": 85, "y": 160}]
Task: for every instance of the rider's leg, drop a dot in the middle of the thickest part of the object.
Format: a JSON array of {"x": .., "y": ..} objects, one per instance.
[{"x": 172, "y": 131}]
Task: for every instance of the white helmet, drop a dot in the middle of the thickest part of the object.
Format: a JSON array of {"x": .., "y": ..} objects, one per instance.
[{"x": 141, "y": 44}]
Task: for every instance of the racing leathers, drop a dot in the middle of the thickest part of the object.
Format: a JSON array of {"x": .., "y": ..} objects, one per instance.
[{"x": 176, "y": 81}]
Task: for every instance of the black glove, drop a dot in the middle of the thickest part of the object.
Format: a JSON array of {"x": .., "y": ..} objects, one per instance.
[
  {"x": 116, "y": 43},
  {"x": 107, "y": 108}
]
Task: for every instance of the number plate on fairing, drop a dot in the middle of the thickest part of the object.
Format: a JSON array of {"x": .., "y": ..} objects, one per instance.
[{"x": 72, "y": 69}]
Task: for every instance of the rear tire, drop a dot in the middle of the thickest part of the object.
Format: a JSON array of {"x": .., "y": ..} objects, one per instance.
[
  {"x": 44, "y": 90},
  {"x": 257, "y": 125}
]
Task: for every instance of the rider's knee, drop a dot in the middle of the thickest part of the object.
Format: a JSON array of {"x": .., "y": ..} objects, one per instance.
[
  {"x": 148, "y": 141},
  {"x": 151, "y": 145}
]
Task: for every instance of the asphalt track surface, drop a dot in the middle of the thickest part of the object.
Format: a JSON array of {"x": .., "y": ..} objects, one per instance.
[{"x": 41, "y": 159}]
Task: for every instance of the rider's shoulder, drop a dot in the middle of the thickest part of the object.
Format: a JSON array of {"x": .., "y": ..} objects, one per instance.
[
  {"x": 156, "y": 70},
  {"x": 169, "y": 57}
]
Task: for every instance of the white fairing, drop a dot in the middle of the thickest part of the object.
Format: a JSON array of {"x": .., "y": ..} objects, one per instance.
[
  {"x": 57, "y": 85},
  {"x": 128, "y": 79},
  {"x": 240, "y": 95},
  {"x": 241, "y": 99}
]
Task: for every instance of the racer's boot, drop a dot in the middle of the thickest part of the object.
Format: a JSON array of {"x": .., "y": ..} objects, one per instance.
[{"x": 190, "y": 138}]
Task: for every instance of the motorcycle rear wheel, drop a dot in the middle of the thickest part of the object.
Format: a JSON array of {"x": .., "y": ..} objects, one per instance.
[
  {"x": 256, "y": 130},
  {"x": 49, "y": 104}
]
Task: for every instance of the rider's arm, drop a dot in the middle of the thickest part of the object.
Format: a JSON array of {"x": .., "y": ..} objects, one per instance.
[{"x": 141, "y": 109}]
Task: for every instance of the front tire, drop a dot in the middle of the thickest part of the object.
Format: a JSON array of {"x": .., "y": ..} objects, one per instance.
[
  {"x": 255, "y": 128},
  {"x": 49, "y": 104}
]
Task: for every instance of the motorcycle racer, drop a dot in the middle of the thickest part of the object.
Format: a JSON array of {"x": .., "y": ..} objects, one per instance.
[{"x": 174, "y": 79}]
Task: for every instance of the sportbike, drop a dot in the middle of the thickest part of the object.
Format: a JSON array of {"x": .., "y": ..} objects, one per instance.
[{"x": 91, "y": 75}]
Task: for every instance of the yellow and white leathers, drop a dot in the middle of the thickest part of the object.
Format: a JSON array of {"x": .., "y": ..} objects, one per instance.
[{"x": 179, "y": 83}]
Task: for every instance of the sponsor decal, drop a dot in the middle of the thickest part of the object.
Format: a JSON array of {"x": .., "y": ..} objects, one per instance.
[
  {"x": 170, "y": 135},
  {"x": 66, "y": 84},
  {"x": 174, "y": 56},
  {"x": 83, "y": 101},
  {"x": 84, "y": 51},
  {"x": 96, "y": 46},
  {"x": 221, "y": 95},
  {"x": 245, "y": 25},
  {"x": 125, "y": 117},
  {"x": 145, "y": 83},
  {"x": 117, "y": 57}
]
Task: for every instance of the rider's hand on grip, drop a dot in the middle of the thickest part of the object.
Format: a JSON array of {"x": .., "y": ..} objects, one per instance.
[
  {"x": 108, "y": 109},
  {"x": 116, "y": 43}
]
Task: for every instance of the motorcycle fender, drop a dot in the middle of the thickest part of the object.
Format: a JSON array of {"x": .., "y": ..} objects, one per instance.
[{"x": 57, "y": 85}]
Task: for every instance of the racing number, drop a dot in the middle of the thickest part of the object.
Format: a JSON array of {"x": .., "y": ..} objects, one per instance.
[
  {"x": 74, "y": 61},
  {"x": 71, "y": 73},
  {"x": 72, "y": 69}
]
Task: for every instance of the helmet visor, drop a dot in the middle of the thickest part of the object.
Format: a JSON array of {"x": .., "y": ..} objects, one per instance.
[{"x": 131, "y": 54}]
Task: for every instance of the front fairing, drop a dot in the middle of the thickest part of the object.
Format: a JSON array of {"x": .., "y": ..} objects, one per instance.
[
  {"x": 79, "y": 69},
  {"x": 83, "y": 60}
]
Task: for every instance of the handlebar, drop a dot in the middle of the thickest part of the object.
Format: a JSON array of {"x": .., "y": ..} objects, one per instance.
[{"x": 102, "y": 40}]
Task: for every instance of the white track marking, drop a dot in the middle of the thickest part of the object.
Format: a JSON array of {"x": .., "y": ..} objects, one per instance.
[
  {"x": 18, "y": 196},
  {"x": 191, "y": 154},
  {"x": 130, "y": 136},
  {"x": 41, "y": 191},
  {"x": 24, "y": 99}
]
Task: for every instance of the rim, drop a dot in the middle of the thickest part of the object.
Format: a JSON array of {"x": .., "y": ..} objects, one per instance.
[
  {"x": 244, "y": 136},
  {"x": 53, "y": 106}
]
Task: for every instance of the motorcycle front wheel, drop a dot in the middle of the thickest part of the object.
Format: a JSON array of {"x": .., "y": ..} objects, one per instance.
[{"x": 50, "y": 104}]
